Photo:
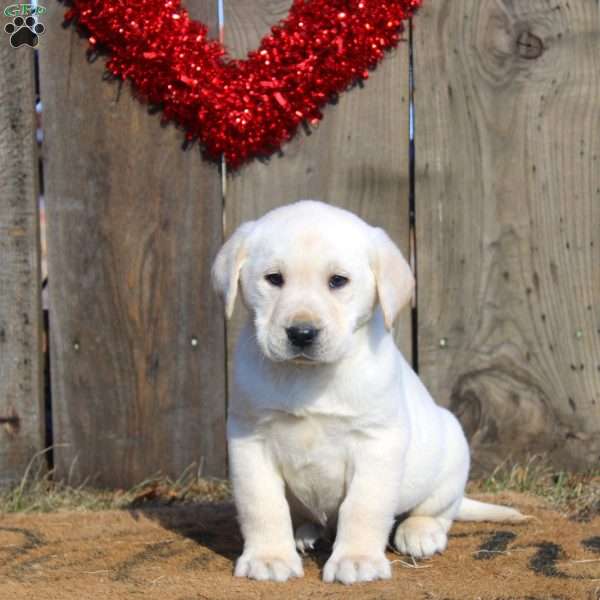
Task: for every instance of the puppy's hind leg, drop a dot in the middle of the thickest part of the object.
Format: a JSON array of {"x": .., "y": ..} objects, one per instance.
[
  {"x": 425, "y": 531},
  {"x": 423, "y": 534},
  {"x": 307, "y": 535},
  {"x": 306, "y": 531}
]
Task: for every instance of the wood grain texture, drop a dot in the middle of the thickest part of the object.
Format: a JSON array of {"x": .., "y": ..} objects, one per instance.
[
  {"x": 508, "y": 223},
  {"x": 357, "y": 158},
  {"x": 21, "y": 360},
  {"x": 137, "y": 337}
]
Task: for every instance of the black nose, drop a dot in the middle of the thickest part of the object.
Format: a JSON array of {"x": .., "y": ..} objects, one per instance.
[{"x": 302, "y": 334}]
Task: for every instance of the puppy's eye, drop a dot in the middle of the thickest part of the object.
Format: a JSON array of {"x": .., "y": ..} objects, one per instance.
[
  {"x": 337, "y": 281},
  {"x": 275, "y": 279}
]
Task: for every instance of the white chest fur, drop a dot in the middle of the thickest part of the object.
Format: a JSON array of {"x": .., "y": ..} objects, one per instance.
[{"x": 313, "y": 454}]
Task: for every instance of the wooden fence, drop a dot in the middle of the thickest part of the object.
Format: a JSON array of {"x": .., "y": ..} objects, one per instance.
[{"x": 506, "y": 328}]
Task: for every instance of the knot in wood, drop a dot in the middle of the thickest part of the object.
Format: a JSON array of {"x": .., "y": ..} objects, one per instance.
[
  {"x": 12, "y": 422},
  {"x": 529, "y": 45}
]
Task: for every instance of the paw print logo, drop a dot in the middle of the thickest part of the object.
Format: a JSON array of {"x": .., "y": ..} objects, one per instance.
[{"x": 24, "y": 31}]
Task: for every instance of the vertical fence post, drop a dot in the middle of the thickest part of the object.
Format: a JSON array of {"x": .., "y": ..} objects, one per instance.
[
  {"x": 508, "y": 223},
  {"x": 137, "y": 341},
  {"x": 21, "y": 364}
]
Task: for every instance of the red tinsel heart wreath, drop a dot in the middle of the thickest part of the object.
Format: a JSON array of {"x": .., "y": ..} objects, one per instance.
[{"x": 242, "y": 108}]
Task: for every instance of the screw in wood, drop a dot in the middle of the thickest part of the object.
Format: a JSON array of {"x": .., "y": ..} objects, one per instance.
[{"x": 443, "y": 342}]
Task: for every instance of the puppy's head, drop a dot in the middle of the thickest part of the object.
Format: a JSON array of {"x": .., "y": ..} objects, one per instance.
[{"x": 311, "y": 274}]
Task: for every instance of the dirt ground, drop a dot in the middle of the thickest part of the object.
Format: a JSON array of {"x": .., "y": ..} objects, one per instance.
[{"x": 186, "y": 552}]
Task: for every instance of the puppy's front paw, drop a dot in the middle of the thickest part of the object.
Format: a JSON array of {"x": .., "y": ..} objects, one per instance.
[
  {"x": 420, "y": 537},
  {"x": 351, "y": 568},
  {"x": 269, "y": 566}
]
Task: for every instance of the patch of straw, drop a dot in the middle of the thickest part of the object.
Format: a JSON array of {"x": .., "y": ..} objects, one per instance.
[{"x": 37, "y": 491}]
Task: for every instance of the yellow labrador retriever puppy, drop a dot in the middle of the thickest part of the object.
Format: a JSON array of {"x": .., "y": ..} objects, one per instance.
[{"x": 330, "y": 430}]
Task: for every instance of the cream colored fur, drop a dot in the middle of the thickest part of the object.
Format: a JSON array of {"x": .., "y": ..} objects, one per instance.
[{"x": 339, "y": 438}]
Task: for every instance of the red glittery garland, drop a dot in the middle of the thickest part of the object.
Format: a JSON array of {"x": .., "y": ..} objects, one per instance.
[{"x": 242, "y": 108}]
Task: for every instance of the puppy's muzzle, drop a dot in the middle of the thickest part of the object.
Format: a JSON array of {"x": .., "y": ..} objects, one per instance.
[{"x": 302, "y": 335}]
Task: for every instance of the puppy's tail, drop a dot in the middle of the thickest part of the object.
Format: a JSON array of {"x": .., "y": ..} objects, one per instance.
[{"x": 473, "y": 510}]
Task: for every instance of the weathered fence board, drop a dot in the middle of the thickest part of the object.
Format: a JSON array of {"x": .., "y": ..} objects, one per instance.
[
  {"x": 508, "y": 223},
  {"x": 357, "y": 158},
  {"x": 20, "y": 309},
  {"x": 508, "y": 237},
  {"x": 137, "y": 338}
]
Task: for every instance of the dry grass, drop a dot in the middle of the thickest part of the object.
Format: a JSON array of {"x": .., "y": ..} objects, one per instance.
[
  {"x": 575, "y": 493},
  {"x": 38, "y": 492},
  {"x": 567, "y": 492}
]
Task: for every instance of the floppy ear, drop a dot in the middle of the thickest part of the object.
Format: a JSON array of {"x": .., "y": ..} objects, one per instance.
[
  {"x": 228, "y": 264},
  {"x": 393, "y": 276}
]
